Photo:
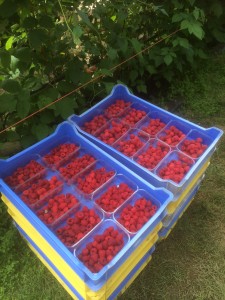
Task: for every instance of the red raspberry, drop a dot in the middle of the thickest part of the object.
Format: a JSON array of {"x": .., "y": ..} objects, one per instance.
[
  {"x": 113, "y": 132},
  {"x": 153, "y": 126},
  {"x": 175, "y": 170},
  {"x": 93, "y": 180},
  {"x": 172, "y": 136},
  {"x": 116, "y": 108},
  {"x": 60, "y": 154},
  {"x": 141, "y": 211},
  {"x": 77, "y": 165},
  {"x": 129, "y": 146},
  {"x": 151, "y": 156},
  {"x": 96, "y": 123},
  {"x": 76, "y": 229},
  {"x": 57, "y": 207},
  {"x": 133, "y": 116},
  {"x": 39, "y": 191},
  {"x": 193, "y": 148},
  {"x": 114, "y": 197},
  {"x": 113, "y": 243},
  {"x": 24, "y": 176}
]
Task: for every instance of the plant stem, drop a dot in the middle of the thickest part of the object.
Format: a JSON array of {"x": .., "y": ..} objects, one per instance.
[{"x": 70, "y": 30}]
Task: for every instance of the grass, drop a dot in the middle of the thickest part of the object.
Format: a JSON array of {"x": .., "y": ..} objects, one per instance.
[{"x": 190, "y": 263}]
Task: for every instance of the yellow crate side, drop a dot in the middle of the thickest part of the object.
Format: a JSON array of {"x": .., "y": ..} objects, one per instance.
[
  {"x": 56, "y": 259},
  {"x": 36, "y": 237},
  {"x": 136, "y": 275},
  {"x": 123, "y": 272},
  {"x": 128, "y": 284},
  {"x": 163, "y": 238},
  {"x": 173, "y": 205},
  {"x": 45, "y": 263}
]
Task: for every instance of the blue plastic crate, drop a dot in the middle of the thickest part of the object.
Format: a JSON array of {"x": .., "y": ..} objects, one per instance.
[
  {"x": 168, "y": 225},
  {"x": 117, "y": 291},
  {"x": 210, "y": 136},
  {"x": 66, "y": 132}
]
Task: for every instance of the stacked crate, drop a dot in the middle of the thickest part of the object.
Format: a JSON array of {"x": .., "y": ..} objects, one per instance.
[
  {"x": 92, "y": 247},
  {"x": 153, "y": 128}
]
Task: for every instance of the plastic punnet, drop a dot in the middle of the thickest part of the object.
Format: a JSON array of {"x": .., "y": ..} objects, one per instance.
[{"x": 115, "y": 182}]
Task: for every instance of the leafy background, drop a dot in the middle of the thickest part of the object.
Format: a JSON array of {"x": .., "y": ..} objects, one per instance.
[{"x": 49, "y": 48}]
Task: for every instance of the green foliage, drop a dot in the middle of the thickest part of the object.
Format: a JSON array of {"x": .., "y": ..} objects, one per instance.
[{"x": 49, "y": 48}]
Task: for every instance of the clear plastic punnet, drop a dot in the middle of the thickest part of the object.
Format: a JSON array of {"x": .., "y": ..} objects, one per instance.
[
  {"x": 175, "y": 125},
  {"x": 60, "y": 250}
]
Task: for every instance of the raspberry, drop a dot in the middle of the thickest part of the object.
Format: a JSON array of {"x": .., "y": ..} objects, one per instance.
[
  {"x": 96, "y": 123},
  {"x": 142, "y": 210},
  {"x": 60, "y": 154},
  {"x": 100, "y": 258},
  {"x": 172, "y": 136},
  {"x": 114, "y": 197},
  {"x": 193, "y": 148}
]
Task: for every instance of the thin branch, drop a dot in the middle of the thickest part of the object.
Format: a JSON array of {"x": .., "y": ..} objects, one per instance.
[{"x": 70, "y": 30}]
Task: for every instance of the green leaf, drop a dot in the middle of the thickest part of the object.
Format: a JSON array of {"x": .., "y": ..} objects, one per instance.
[
  {"x": 12, "y": 136},
  {"x": 86, "y": 20},
  {"x": 201, "y": 53},
  {"x": 104, "y": 72},
  {"x": 122, "y": 44},
  {"x": 151, "y": 70},
  {"x": 28, "y": 140},
  {"x": 46, "y": 21},
  {"x": 32, "y": 83},
  {"x": 109, "y": 86},
  {"x": 45, "y": 100},
  {"x": 122, "y": 15},
  {"x": 168, "y": 59},
  {"x": 133, "y": 75},
  {"x": 3, "y": 24},
  {"x": 77, "y": 33},
  {"x": 184, "y": 43},
  {"x": 164, "y": 12},
  {"x": 8, "y": 8},
  {"x": 196, "y": 13},
  {"x": 47, "y": 117},
  {"x": 8, "y": 44},
  {"x": 40, "y": 130},
  {"x": 217, "y": 9},
  {"x": 11, "y": 86},
  {"x": 23, "y": 104},
  {"x": 7, "y": 103},
  {"x": 136, "y": 44},
  {"x": 192, "y": 2},
  {"x": 5, "y": 59},
  {"x": 142, "y": 88},
  {"x": 198, "y": 31},
  {"x": 219, "y": 35},
  {"x": 74, "y": 71},
  {"x": 23, "y": 54},
  {"x": 37, "y": 38},
  {"x": 30, "y": 22},
  {"x": 65, "y": 86},
  {"x": 14, "y": 63},
  {"x": 193, "y": 27},
  {"x": 112, "y": 53},
  {"x": 184, "y": 24},
  {"x": 65, "y": 107}
]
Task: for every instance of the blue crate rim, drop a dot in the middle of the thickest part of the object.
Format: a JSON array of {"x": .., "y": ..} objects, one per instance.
[
  {"x": 172, "y": 183},
  {"x": 48, "y": 234}
]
